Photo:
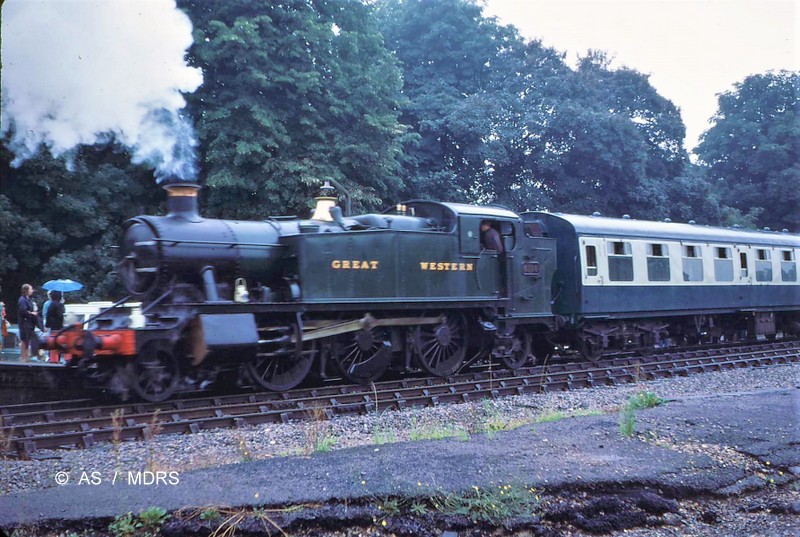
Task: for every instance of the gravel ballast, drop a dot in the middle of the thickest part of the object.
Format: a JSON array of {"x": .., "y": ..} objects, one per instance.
[{"x": 211, "y": 449}]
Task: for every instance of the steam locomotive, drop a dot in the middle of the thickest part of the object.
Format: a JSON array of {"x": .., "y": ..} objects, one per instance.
[{"x": 415, "y": 288}]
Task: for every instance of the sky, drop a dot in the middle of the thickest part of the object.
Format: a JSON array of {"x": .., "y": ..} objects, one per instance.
[{"x": 692, "y": 49}]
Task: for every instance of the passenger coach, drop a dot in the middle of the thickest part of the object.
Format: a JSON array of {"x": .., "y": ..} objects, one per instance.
[{"x": 628, "y": 283}]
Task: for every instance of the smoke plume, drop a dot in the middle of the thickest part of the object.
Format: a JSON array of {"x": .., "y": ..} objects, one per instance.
[{"x": 82, "y": 72}]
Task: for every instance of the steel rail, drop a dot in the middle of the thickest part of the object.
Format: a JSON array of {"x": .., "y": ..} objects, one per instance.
[
  {"x": 63, "y": 429},
  {"x": 47, "y": 412}
]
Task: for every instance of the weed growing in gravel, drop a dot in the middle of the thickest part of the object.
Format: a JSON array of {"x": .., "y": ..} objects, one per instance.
[
  {"x": 116, "y": 437},
  {"x": 550, "y": 415},
  {"x": 28, "y": 531},
  {"x": 5, "y": 450},
  {"x": 209, "y": 514},
  {"x": 230, "y": 519},
  {"x": 147, "y": 524},
  {"x": 317, "y": 435},
  {"x": 124, "y": 526},
  {"x": 390, "y": 507},
  {"x": 627, "y": 421},
  {"x": 419, "y": 508},
  {"x": 383, "y": 435},
  {"x": 644, "y": 400},
  {"x": 492, "y": 504},
  {"x": 494, "y": 421},
  {"x": 153, "y": 428},
  {"x": 627, "y": 415},
  {"x": 438, "y": 432},
  {"x": 324, "y": 444},
  {"x": 245, "y": 455},
  {"x": 152, "y": 519},
  {"x": 263, "y": 515}
]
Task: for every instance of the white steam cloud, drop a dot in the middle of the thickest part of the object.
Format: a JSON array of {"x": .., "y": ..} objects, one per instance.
[{"x": 79, "y": 72}]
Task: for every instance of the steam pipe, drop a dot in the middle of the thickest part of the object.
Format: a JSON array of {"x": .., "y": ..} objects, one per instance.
[
  {"x": 210, "y": 284},
  {"x": 348, "y": 205}
]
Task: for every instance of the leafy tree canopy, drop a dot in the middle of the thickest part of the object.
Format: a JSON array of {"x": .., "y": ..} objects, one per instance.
[
  {"x": 504, "y": 121},
  {"x": 752, "y": 151},
  {"x": 57, "y": 223},
  {"x": 294, "y": 92},
  {"x": 402, "y": 99}
]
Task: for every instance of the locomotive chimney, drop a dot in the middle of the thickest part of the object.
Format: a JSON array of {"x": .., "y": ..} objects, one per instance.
[{"x": 182, "y": 200}]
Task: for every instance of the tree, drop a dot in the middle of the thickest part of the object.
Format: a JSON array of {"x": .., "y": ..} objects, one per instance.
[
  {"x": 448, "y": 51},
  {"x": 752, "y": 150},
  {"x": 504, "y": 121},
  {"x": 294, "y": 93},
  {"x": 60, "y": 223}
]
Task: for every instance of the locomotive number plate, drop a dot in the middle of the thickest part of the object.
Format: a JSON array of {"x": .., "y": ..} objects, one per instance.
[{"x": 530, "y": 268}]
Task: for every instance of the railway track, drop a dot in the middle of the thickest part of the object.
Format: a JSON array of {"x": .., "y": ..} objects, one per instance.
[{"x": 79, "y": 423}]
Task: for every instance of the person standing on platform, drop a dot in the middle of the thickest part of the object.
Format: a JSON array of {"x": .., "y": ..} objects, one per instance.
[
  {"x": 27, "y": 320},
  {"x": 54, "y": 320},
  {"x": 46, "y": 306}
]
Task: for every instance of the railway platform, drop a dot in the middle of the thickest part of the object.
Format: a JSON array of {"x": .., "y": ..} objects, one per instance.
[
  {"x": 33, "y": 381},
  {"x": 721, "y": 445}
]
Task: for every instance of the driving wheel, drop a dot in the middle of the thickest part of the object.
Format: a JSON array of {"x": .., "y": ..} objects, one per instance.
[
  {"x": 284, "y": 366},
  {"x": 362, "y": 357},
  {"x": 440, "y": 348}
]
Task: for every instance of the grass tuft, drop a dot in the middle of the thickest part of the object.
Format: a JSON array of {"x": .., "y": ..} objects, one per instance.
[{"x": 491, "y": 505}]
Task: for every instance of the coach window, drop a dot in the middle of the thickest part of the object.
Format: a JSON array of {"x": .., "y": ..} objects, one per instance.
[
  {"x": 788, "y": 266},
  {"x": 743, "y": 263},
  {"x": 723, "y": 264},
  {"x": 591, "y": 261},
  {"x": 763, "y": 265},
  {"x": 657, "y": 263},
  {"x": 620, "y": 262},
  {"x": 692, "y": 263}
]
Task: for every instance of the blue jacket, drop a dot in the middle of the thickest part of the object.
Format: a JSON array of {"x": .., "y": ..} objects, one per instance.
[{"x": 25, "y": 316}]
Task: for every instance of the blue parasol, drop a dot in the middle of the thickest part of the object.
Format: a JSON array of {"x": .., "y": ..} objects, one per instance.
[{"x": 62, "y": 285}]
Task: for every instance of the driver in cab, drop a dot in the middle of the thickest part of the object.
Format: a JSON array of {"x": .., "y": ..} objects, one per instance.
[{"x": 490, "y": 237}]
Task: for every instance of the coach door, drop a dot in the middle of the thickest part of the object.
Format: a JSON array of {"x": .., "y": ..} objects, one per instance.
[{"x": 591, "y": 262}]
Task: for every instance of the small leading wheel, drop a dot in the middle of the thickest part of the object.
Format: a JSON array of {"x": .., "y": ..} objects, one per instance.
[
  {"x": 440, "y": 348},
  {"x": 284, "y": 367},
  {"x": 520, "y": 350},
  {"x": 155, "y": 373},
  {"x": 362, "y": 357}
]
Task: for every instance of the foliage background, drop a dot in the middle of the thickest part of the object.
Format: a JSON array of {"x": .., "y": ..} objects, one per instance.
[{"x": 407, "y": 99}]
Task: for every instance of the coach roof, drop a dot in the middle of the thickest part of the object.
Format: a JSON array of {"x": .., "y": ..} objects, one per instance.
[{"x": 624, "y": 227}]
